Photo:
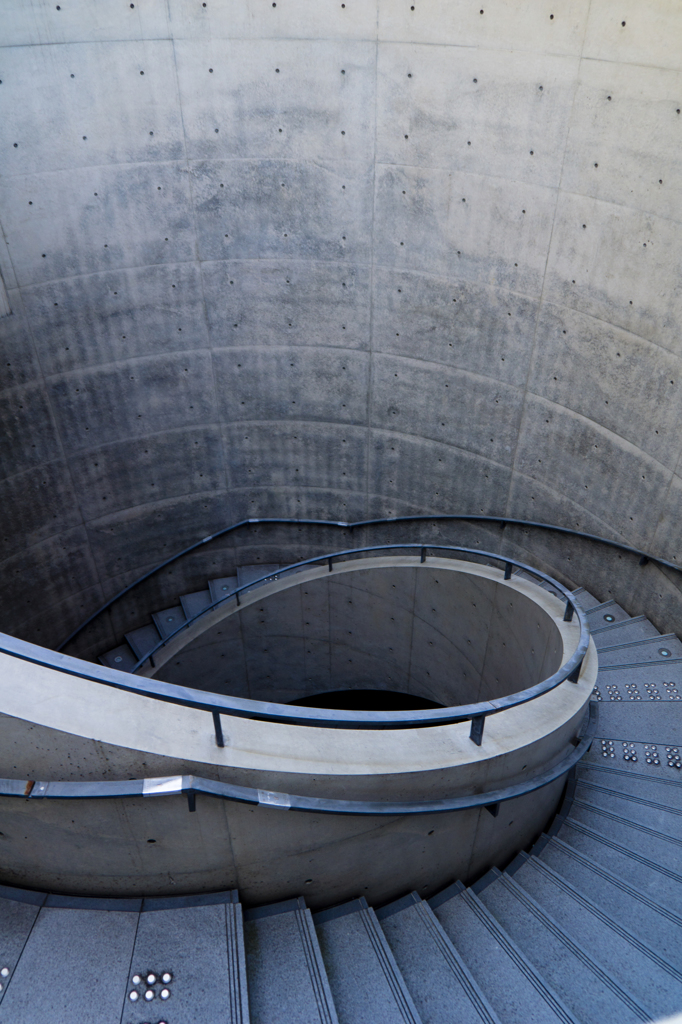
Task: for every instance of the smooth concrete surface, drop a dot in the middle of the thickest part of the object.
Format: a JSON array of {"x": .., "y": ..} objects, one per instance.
[
  {"x": 446, "y": 630},
  {"x": 333, "y": 261},
  {"x": 58, "y": 726}
]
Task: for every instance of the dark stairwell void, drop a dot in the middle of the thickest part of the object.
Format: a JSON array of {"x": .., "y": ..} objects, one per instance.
[
  {"x": 367, "y": 700},
  {"x": 406, "y": 635}
]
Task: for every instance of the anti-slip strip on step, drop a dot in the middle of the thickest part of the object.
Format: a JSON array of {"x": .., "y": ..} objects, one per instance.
[
  {"x": 602, "y": 976},
  {"x": 514, "y": 956},
  {"x": 604, "y": 840},
  {"x": 537, "y": 864}
]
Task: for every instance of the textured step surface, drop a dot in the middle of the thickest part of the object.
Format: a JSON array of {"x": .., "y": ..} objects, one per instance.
[
  {"x": 442, "y": 987},
  {"x": 287, "y": 977},
  {"x": 18, "y": 912},
  {"x": 191, "y": 951},
  {"x": 585, "y": 599},
  {"x": 644, "y": 722},
  {"x": 662, "y": 885},
  {"x": 168, "y": 620},
  {"x": 74, "y": 965},
  {"x": 623, "y": 632},
  {"x": 121, "y": 658},
  {"x": 606, "y": 937},
  {"x": 365, "y": 980},
  {"x": 584, "y": 984},
  {"x": 512, "y": 986},
  {"x": 222, "y": 587},
  {"x": 656, "y": 650},
  {"x": 249, "y": 573},
  {"x": 193, "y": 604},
  {"x": 603, "y": 614},
  {"x": 656, "y": 926},
  {"x": 143, "y": 640}
]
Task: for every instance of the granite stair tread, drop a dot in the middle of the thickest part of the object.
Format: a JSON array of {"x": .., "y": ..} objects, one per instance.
[
  {"x": 288, "y": 981},
  {"x": 510, "y": 983},
  {"x": 605, "y": 936},
  {"x": 364, "y": 977},
  {"x": 441, "y": 985},
  {"x": 584, "y": 984}
]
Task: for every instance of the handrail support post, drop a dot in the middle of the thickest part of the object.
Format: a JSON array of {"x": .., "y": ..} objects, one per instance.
[
  {"x": 575, "y": 674},
  {"x": 423, "y": 555},
  {"x": 568, "y": 614},
  {"x": 218, "y": 726},
  {"x": 476, "y": 734},
  {"x": 507, "y": 570}
]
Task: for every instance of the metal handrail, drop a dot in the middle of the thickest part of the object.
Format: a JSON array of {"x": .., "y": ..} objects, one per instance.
[
  {"x": 190, "y": 785},
  {"x": 644, "y": 557},
  {"x": 331, "y": 718}
]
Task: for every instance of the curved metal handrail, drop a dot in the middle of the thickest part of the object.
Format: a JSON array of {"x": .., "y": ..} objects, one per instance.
[
  {"x": 190, "y": 785},
  {"x": 643, "y": 556},
  {"x": 268, "y": 711}
]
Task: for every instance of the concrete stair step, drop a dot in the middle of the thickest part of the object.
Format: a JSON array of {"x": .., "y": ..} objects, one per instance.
[
  {"x": 143, "y": 640},
  {"x": 647, "y": 678},
  {"x": 222, "y": 587},
  {"x": 441, "y": 986},
  {"x": 581, "y": 981},
  {"x": 74, "y": 965},
  {"x": 509, "y": 982},
  {"x": 539, "y": 583},
  {"x": 649, "y": 842},
  {"x": 194, "y": 604},
  {"x": 365, "y": 980},
  {"x": 193, "y": 949},
  {"x": 250, "y": 573},
  {"x": 19, "y": 909},
  {"x": 168, "y": 620},
  {"x": 585, "y": 599},
  {"x": 638, "y": 628},
  {"x": 660, "y": 884},
  {"x": 638, "y": 651},
  {"x": 607, "y": 938},
  {"x": 288, "y": 981},
  {"x": 606, "y": 613},
  {"x": 121, "y": 657},
  {"x": 656, "y": 926},
  {"x": 662, "y": 790},
  {"x": 639, "y": 810}
]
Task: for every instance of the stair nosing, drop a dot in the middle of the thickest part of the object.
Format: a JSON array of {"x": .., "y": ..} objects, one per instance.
[
  {"x": 592, "y": 908},
  {"x": 620, "y": 883},
  {"x": 581, "y": 954},
  {"x": 517, "y": 957}
]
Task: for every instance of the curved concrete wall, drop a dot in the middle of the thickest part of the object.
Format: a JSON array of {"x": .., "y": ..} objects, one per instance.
[
  {"x": 58, "y": 726},
  {"x": 449, "y": 632},
  {"x": 331, "y": 261}
]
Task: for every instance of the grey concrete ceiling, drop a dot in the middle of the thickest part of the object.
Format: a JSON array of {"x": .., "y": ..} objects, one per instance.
[{"x": 332, "y": 260}]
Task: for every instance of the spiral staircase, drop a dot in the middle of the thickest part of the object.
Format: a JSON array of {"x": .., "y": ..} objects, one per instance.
[{"x": 581, "y": 928}]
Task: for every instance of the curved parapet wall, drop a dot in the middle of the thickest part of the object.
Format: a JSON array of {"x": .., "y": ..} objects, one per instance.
[
  {"x": 57, "y": 726},
  {"x": 445, "y": 630}
]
